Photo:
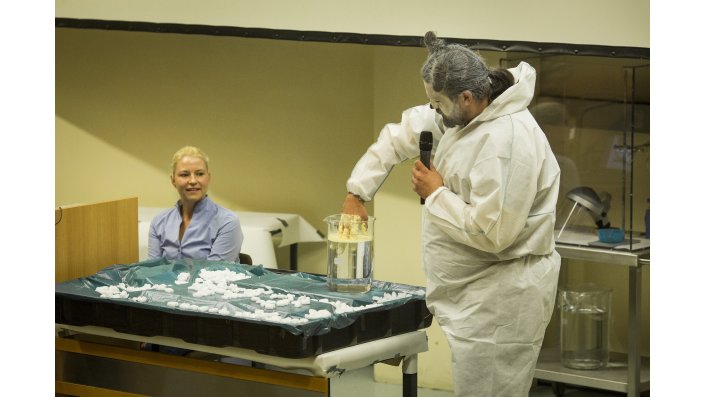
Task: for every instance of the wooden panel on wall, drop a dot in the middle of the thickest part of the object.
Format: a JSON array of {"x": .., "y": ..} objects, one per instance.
[{"x": 91, "y": 237}]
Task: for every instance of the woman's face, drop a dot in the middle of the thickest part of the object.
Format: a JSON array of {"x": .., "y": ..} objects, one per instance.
[{"x": 191, "y": 179}]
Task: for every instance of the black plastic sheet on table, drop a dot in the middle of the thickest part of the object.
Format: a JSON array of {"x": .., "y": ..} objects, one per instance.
[{"x": 156, "y": 298}]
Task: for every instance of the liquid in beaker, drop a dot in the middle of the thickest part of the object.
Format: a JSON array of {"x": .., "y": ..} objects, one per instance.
[{"x": 350, "y": 253}]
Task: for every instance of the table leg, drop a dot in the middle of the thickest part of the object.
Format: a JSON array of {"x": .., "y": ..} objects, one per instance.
[
  {"x": 409, "y": 370},
  {"x": 294, "y": 257}
]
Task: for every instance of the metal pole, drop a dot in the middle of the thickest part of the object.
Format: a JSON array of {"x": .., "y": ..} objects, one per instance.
[{"x": 634, "y": 351}]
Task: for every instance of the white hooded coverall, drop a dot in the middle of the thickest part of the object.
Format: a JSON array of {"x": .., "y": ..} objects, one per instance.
[{"x": 488, "y": 247}]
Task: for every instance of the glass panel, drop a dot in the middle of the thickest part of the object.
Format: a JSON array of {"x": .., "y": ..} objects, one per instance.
[{"x": 595, "y": 112}]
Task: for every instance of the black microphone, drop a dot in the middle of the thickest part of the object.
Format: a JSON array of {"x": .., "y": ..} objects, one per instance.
[{"x": 425, "y": 146}]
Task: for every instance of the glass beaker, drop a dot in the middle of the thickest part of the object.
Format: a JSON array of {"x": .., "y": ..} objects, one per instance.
[
  {"x": 585, "y": 315},
  {"x": 350, "y": 253}
]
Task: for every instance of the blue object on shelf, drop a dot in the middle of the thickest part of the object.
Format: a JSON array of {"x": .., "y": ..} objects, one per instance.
[{"x": 610, "y": 235}]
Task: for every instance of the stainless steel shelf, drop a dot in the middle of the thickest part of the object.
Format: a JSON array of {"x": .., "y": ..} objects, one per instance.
[
  {"x": 603, "y": 255},
  {"x": 627, "y": 373},
  {"x": 614, "y": 377}
]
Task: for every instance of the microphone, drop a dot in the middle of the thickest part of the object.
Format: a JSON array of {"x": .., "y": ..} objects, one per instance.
[{"x": 425, "y": 146}]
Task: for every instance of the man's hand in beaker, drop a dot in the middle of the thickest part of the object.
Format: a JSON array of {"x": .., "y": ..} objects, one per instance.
[
  {"x": 425, "y": 181},
  {"x": 353, "y": 205}
]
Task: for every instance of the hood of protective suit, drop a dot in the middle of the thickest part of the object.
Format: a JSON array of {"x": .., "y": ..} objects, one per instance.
[{"x": 516, "y": 98}]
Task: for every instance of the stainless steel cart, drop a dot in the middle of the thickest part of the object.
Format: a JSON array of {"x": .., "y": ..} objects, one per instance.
[{"x": 626, "y": 373}]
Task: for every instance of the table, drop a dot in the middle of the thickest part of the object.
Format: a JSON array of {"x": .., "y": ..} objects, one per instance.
[
  {"x": 253, "y": 317},
  {"x": 286, "y": 373}
]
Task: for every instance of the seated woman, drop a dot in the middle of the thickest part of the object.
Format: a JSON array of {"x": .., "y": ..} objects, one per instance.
[{"x": 196, "y": 228}]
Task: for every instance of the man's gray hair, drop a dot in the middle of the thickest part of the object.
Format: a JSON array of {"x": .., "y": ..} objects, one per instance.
[{"x": 454, "y": 68}]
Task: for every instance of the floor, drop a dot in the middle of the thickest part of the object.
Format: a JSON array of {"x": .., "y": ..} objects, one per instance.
[{"x": 361, "y": 383}]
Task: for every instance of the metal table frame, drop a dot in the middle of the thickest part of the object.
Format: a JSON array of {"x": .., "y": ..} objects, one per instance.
[
  {"x": 635, "y": 377},
  {"x": 404, "y": 348}
]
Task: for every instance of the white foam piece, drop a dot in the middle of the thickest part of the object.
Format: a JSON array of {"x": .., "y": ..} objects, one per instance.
[
  {"x": 222, "y": 275},
  {"x": 182, "y": 278},
  {"x": 316, "y": 314}
]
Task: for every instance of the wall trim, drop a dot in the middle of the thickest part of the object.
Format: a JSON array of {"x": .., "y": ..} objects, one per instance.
[{"x": 355, "y": 38}]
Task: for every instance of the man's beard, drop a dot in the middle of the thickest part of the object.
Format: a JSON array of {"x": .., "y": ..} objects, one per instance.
[{"x": 454, "y": 119}]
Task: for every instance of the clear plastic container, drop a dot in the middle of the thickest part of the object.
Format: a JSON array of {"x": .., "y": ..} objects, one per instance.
[
  {"x": 350, "y": 253},
  {"x": 585, "y": 317}
]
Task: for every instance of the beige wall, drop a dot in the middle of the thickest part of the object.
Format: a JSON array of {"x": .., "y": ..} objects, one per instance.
[
  {"x": 282, "y": 126},
  {"x": 283, "y": 122},
  {"x": 603, "y": 22}
]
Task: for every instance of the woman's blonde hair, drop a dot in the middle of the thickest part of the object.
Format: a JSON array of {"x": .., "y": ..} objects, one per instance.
[{"x": 191, "y": 151}]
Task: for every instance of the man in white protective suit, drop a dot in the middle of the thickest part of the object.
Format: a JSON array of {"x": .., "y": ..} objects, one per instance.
[{"x": 488, "y": 218}]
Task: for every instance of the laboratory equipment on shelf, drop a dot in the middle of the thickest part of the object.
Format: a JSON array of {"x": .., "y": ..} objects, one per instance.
[
  {"x": 350, "y": 253},
  {"x": 585, "y": 316},
  {"x": 610, "y": 235},
  {"x": 586, "y": 198},
  {"x": 582, "y": 220}
]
